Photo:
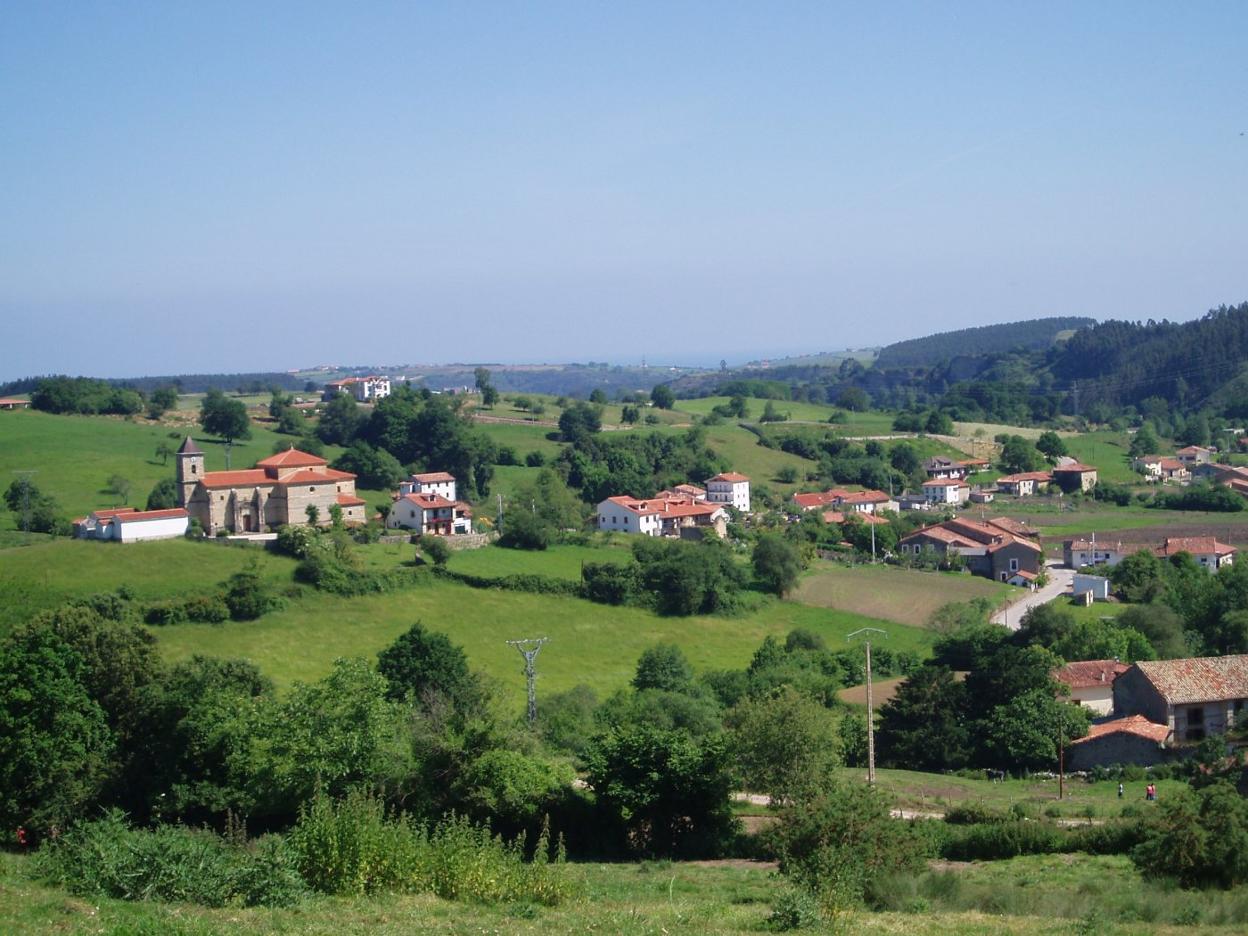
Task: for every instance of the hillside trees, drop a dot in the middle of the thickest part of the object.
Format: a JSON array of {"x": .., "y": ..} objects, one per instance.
[
  {"x": 225, "y": 418},
  {"x": 85, "y": 396},
  {"x": 340, "y": 421},
  {"x": 777, "y": 563}
]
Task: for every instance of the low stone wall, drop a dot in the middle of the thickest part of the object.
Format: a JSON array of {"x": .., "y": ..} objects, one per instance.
[{"x": 463, "y": 541}]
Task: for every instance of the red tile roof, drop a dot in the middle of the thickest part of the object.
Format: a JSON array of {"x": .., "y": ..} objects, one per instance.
[
  {"x": 428, "y": 501},
  {"x": 1041, "y": 476},
  {"x": 317, "y": 476},
  {"x": 1133, "y": 724},
  {"x": 432, "y": 477},
  {"x": 349, "y": 500},
  {"x": 1194, "y": 450},
  {"x": 291, "y": 458},
  {"x": 946, "y": 482},
  {"x": 971, "y": 534},
  {"x": 1073, "y": 467},
  {"x": 1196, "y": 545},
  {"x": 1016, "y": 527},
  {"x": 819, "y": 498},
  {"x": 865, "y": 497},
  {"x": 140, "y": 515},
  {"x": 1088, "y": 674},
  {"x": 1203, "y": 679},
  {"x": 728, "y": 476},
  {"x": 246, "y": 477}
]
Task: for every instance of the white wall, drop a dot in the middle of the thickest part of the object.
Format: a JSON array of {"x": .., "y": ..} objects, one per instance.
[{"x": 160, "y": 528}]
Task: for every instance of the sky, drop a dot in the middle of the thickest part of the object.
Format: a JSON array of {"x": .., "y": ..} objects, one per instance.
[{"x": 223, "y": 187}]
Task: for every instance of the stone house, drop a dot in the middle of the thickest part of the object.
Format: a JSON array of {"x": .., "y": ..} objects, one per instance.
[
  {"x": 1130, "y": 740},
  {"x": 1193, "y": 698},
  {"x": 1075, "y": 477},
  {"x": 988, "y": 550},
  {"x": 1024, "y": 484},
  {"x": 276, "y": 492}
]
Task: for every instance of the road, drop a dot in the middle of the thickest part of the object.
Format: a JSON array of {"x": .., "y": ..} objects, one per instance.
[{"x": 1060, "y": 581}]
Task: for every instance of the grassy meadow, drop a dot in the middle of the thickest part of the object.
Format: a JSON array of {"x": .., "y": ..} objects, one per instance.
[{"x": 906, "y": 596}]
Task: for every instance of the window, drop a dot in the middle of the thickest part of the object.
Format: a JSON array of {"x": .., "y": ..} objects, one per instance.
[
  {"x": 1195, "y": 723},
  {"x": 194, "y": 468},
  {"x": 311, "y": 490},
  {"x": 1013, "y": 565}
]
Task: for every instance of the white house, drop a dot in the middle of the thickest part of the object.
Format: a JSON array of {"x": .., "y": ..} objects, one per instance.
[
  {"x": 731, "y": 489},
  {"x": 364, "y": 389},
  {"x": 946, "y": 491},
  {"x": 127, "y": 525},
  {"x": 1206, "y": 551},
  {"x": 1024, "y": 484},
  {"x": 869, "y": 502},
  {"x": 662, "y": 515},
  {"x": 440, "y": 483},
  {"x": 430, "y": 513},
  {"x": 1091, "y": 683}
]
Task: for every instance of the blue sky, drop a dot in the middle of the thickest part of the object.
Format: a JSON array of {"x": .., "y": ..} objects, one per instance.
[{"x": 255, "y": 186}]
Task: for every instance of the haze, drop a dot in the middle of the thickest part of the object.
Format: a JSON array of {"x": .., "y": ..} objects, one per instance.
[{"x": 236, "y": 187}]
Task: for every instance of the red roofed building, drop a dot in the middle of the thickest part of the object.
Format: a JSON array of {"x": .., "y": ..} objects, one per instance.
[
  {"x": 1091, "y": 682},
  {"x": 987, "y": 550},
  {"x": 364, "y": 389},
  {"x": 864, "y": 502},
  {"x": 1073, "y": 476},
  {"x": 277, "y": 492},
  {"x": 8, "y": 403},
  {"x": 430, "y": 513},
  {"x": 946, "y": 491},
  {"x": 662, "y": 515},
  {"x": 127, "y": 525},
  {"x": 1129, "y": 740},
  {"x": 1024, "y": 484},
  {"x": 1194, "y": 698},
  {"x": 430, "y": 482}
]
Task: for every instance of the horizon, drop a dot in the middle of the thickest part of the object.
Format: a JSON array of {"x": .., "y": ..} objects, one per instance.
[{"x": 232, "y": 190}]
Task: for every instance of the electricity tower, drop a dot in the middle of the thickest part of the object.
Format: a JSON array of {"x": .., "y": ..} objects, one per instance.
[{"x": 529, "y": 649}]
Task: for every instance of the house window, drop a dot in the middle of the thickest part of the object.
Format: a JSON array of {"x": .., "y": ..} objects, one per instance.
[
  {"x": 1195, "y": 723},
  {"x": 311, "y": 490},
  {"x": 1013, "y": 565}
]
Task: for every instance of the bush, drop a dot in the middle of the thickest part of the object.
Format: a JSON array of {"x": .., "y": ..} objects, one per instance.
[
  {"x": 108, "y": 858},
  {"x": 200, "y": 609},
  {"x": 353, "y": 847},
  {"x": 996, "y": 840},
  {"x": 793, "y": 909},
  {"x": 974, "y": 814},
  {"x": 436, "y": 549}
]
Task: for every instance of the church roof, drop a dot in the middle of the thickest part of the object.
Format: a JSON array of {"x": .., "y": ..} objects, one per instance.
[
  {"x": 291, "y": 458},
  {"x": 189, "y": 447}
]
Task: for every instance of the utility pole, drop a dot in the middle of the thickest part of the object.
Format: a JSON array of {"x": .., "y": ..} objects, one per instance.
[
  {"x": 1061, "y": 757},
  {"x": 870, "y": 706},
  {"x": 529, "y": 648}
]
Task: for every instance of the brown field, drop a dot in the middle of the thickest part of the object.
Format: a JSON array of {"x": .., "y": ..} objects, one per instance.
[
  {"x": 882, "y": 691},
  {"x": 891, "y": 594}
]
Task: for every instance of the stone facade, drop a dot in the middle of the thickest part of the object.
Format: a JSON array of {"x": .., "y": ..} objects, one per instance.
[
  {"x": 277, "y": 492},
  {"x": 1119, "y": 747}
]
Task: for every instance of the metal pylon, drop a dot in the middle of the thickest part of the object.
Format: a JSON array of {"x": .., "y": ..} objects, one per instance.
[{"x": 529, "y": 649}]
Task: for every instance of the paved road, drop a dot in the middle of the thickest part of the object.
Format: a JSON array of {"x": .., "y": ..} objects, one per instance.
[{"x": 1060, "y": 581}]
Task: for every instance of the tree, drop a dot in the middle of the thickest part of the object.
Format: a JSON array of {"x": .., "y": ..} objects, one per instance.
[
  {"x": 1160, "y": 626},
  {"x": 163, "y": 496},
  {"x": 162, "y": 400},
  {"x": 854, "y": 399},
  {"x": 375, "y": 468},
  {"x": 35, "y": 511},
  {"x": 663, "y": 666},
  {"x": 1144, "y": 442},
  {"x": 784, "y": 745},
  {"x": 771, "y": 414},
  {"x": 1139, "y": 578},
  {"x": 578, "y": 422},
  {"x": 667, "y": 790},
  {"x": 924, "y": 726},
  {"x": 904, "y": 458},
  {"x": 55, "y": 745},
  {"x": 163, "y": 451},
  {"x": 423, "y": 666},
  {"x": 1017, "y": 454},
  {"x": 777, "y": 563},
  {"x": 1051, "y": 445},
  {"x": 313, "y": 513},
  {"x": 1198, "y": 838},
  {"x": 481, "y": 377},
  {"x": 662, "y": 396},
  {"x": 489, "y": 396},
  {"x": 938, "y": 423},
  {"x": 598, "y": 396},
  {"x": 1023, "y": 733},
  {"x": 436, "y": 549},
  {"x": 225, "y": 418},
  {"x": 120, "y": 487},
  {"x": 341, "y": 420}
]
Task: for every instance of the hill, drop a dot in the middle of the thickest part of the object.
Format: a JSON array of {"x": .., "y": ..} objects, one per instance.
[{"x": 1030, "y": 335}]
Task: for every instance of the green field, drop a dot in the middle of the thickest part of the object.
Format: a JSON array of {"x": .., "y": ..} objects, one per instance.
[
  {"x": 558, "y": 561},
  {"x": 872, "y": 422},
  {"x": 74, "y": 456},
  {"x": 905, "y": 596},
  {"x": 44, "y": 575}
]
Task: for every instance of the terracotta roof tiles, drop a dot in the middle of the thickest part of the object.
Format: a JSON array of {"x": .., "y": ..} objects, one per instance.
[
  {"x": 1133, "y": 724},
  {"x": 1202, "y": 679},
  {"x": 1087, "y": 674}
]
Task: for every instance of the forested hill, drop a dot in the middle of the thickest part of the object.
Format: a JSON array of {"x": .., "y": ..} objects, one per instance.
[
  {"x": 1033, "y": 335},
  {"x": 1189, "y": 364}
]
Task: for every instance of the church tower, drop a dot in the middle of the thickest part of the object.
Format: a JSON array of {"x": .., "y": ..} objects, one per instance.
[{"x": 190, "y": 470}]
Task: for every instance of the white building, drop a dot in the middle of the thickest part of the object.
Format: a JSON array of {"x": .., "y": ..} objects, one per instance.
[
  {"x": 429, "y": 513},
  {"x": 943, "y": 491},
  {"x": 1091, "y": 683},
  {"x": 661, "y": 515},
  {"x": 127, "y": 525},
  {"x": 730, "y": 489},
  {"x": 440, "y": 483},
  {"x": 364, "y": 389}
]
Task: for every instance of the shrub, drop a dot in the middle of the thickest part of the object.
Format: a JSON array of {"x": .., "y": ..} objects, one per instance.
[
  {"x": 793, "y": 909},
  {"x": 974, "y": 814},
  {"x": 109, "y": 858},
  {"x": 992, "y": 841},
  {"x": 436, "y": 549}
]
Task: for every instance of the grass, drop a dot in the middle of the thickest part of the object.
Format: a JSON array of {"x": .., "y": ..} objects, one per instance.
[
  {"x": 522, "y": 438},
  {"x": 74, "y": 456},
  {"x": 46, "y": 574},
  {"x": 935, "y": 792},
  {"x": 590, "y": 643},
  {"x": 905, "y": 596},
  {"x": 558, "y": 561},
  {"x": 1065, "y": 894}
]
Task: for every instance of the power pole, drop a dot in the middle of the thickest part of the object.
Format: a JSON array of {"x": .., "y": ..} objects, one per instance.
[
  {"x": 23, "y": 478},
  {"x": 529, "y": 649},
  {"x": 870, "y": 706}
]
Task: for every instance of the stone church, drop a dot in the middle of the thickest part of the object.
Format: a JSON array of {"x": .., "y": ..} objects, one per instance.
[{"x": 278, "y": 491}]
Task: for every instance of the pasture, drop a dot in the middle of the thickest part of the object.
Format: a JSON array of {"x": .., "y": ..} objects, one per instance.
[{"x": 904, "y": 596}]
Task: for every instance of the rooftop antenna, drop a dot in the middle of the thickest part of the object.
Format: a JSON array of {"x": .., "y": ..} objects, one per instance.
[
  {"x": 529, "y": 649},
  {"x": 24, "y": 476}
]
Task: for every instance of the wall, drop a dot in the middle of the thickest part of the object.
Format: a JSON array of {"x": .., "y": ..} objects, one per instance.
[{"x": 1120, "y": 747}]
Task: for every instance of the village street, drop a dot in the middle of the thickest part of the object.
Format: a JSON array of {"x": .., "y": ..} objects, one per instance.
[{"x": 1060, "y": 581}]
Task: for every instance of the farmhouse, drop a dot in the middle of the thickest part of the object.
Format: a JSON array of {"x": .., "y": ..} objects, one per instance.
[
  {"x": 1193, "y": 698},
  {"x": 364, "y": 389},
  {"x": 127, "y": 525},
  {"x": 427, "y": 512},
  {"x": 11, "y": 404},
  {"x": 816, "y": 499},
  {"x": 441, "y": 483},
  {"x": 278, "y": 491},
  {"x": 1205, "y": 550},
  {"x": 864, "y": 502},
  {"x": 1091, "y": 683},
  {"x": 1024, "y": 484},
  {"x": 730, "y": 489},
  {"x": 660, "y": 515},
  {"x": 910, "y": 501},
  {"x": 1130, "y": 740},
  {"x": 1193, "y": 455},
  {"x": 988, "y": 550},
  {"x": 1162, "y": 468},
  {"x": 1075, "y": 477},
  {"x": 940, "y": 491}
]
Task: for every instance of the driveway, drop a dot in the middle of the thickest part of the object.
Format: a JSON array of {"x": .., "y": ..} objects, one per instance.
[{"x": 1061, "y": 579}]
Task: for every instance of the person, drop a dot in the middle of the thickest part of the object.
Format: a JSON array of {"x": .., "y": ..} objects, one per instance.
[
  {"x": 21, "y": 837},
  {"x": 1120, "y": 790}
]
